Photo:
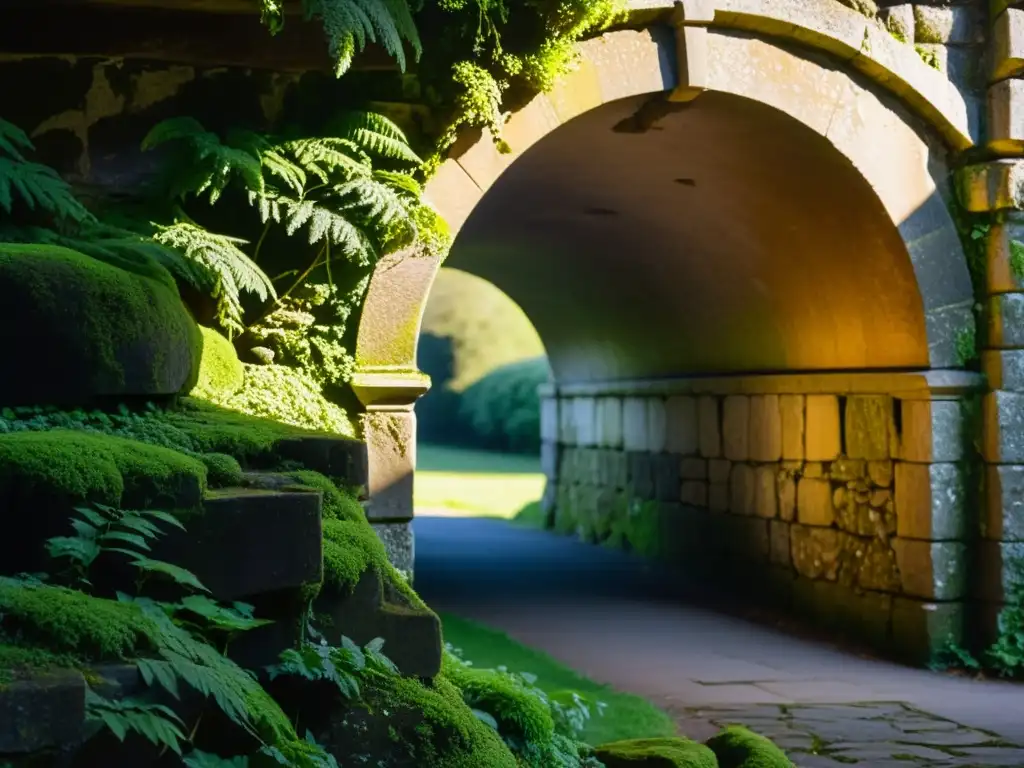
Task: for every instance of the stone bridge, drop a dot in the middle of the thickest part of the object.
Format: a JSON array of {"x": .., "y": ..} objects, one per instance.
[{"x": 754, "y": 236}]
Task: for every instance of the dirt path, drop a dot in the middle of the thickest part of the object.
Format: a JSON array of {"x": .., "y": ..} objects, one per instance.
[{"x": 605, "y": 614}]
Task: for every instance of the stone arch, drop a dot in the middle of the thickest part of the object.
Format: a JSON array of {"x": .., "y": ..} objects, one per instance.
[{"x": 893, "y": 144}]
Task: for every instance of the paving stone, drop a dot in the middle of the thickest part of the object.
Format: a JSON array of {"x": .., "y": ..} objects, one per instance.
[
  {"x": 957, "y": 737},
  {"x": 870, "y": 753},
  {"x": 848, "y": 731},
  {"x": 990, "y": 756}
]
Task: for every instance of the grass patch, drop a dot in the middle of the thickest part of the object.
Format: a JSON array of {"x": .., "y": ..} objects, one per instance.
[
  {"x": 476, "y": 483},
  {"x": 626, "y": 716}
]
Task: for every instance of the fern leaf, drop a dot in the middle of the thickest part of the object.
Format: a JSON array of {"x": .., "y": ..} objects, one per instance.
[
  {"x": 175, "y": 129},
  {"x": 350, "y": 24},
  {"x": 377, "y": 135},
  {"x": 13, "y": 140},
  {"x": 379, "y": 202},
  {"x": 324, "y": 223},
  {"x": 402, "y": 183},
  {"x": 321, "y": 157},
  {"x": 40, "y": 188}
]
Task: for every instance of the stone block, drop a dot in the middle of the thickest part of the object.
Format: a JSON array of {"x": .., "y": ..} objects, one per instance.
[
  {"x": 921, "y": 630},
  {"x": 708, "y": 427},
  {"x": 549, "y": 459},
  {"x": 567, "y": 422},
  {"x": 1002, "y": 273},
  {"x": 641, "y": 474},
  {"x": 931, "y": 501},
  {"x": 683, "y": 430},
  {"x": 634, "y": 424},
  {"x": 778, "y": 546},
  {"x": 791, "y": 411},
  {"x": 947, "y": 25},
  {"x": 1007, "y": 45},
  {"x": 613, "y": 469},
  {"x": 1004, "y": 369},
  {"x": 814, "y": 469},
  {"x": 932, "y": 430},
  {"x": 1004, "y": 503},
  {"x": 932, "y": 570},
  {"x": 787, "y": 496},
  {"x": 657, "y": 425},
  {"x": 609, "y": 422},
  {"x": 742, "y": 489},
  {"x": 880, "y": 473},
  {"x": 585, "y": 419},
  {"x": 765, "y": 494},
  {"x": 1000, "y": 570},
  {"x": 718, "y": 497},
  {"x": 1006, "y": 117},
  {"x": 992, "y": 186},
  {"x": 399, "y": 544},
  {"x": 899, "y": 20},
  {"x": 666, "y": 477},
  {"x": 736, "y": 427},
  {"x": 814, "y": 502},
  {"x": 694, "y": 493},
  {"x": 719, "y": 470},
  {"x": 1004, "y": 318},
  {"x": 870, "y": 428},
  {"x": 1003, "y": 427},
  {"x": 815, "y": 551},
  {"x": 822, "y": 435},
  {"x": 765, "y": 440},
  {"x": 694, "y": 469},
  {"x": 43, "y": 712}
]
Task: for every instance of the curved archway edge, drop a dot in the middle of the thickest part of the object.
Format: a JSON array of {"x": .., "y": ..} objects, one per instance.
[{"x": 884, "y": 146}]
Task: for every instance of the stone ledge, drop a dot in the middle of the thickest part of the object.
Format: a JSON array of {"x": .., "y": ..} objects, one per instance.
[
  {"x": 906, "y": 385},
  {"x": 1007, "y": 45},
  {"x": 993, "y": 186}
]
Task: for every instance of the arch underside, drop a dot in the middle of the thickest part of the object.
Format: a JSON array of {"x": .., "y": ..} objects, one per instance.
[{"x": 774, "y": 224}]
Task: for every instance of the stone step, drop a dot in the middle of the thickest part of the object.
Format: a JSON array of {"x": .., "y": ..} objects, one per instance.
[
  {"x": 339, "y": 458},
  {"x": 412, "y": 636},
  {"x": 251, "y": 542}
]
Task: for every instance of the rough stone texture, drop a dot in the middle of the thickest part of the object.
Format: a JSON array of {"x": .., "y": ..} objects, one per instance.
[
  {"x": 399, "y": 545},
  {"x": 791, "y": 408},
  {"x": 709, "y": 431},
  {"x": 391, "y": 445},
  {"x": 869, "y": 427},
  {"x": 814, "y": 502},
  {"x": 44, "y": 712},
  {"x": 932, "y": 570},
  {"x": 1004, "y": 509},
  {"x": 931, "y": 499},
  {"x": 681, "y": 418},
  {"x": 1003, "y": 428},
  {"x": 765, "y": 442},
  {"x": 742, "y": 489},
  {"x": 932, "y": 430}
]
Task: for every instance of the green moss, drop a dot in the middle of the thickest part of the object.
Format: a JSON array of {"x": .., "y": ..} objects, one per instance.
[
  {"x": 929, "y": 57},
  {"x": 656, "y": 753},
  {"x": 106, "y": 331},
  {"x": 448, "y": 734},
  {"x": 65, "y": 621},
  {"x": 350, "y": 549},
  {"x": 18, "y": 661},
  {"x": 289, "y": 396},
  {"x": 80, "y": 466},
  {"x": 519, "y": 714},
  {"x": 737, "y": 747},
  {"x": 223, "y": 471},
  {"x": 338, "y": 504},
  {"x": 213, "y": 429},
  {"x": 220, "y": 371}
]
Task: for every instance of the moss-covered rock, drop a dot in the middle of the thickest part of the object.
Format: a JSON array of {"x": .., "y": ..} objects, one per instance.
[
  {"x": 656, "y": 753},
  {"x": 220, "y": 371},
  {"x": 222, "y": 470},
  {"x": 44, "y": 475},
  {"x": 737, "y": 747},
  {"x": 74, "y": 330}
]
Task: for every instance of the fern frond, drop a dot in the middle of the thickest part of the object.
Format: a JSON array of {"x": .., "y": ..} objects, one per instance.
[
  {"x": 403, "y": 183},
  {"x": 322, "y": 157},
  {"x": 40, "y": 188},
  {"x": 13, "y": 140},
  {"x": 350, "y": 24},
  {"x": 344, "y": 235},
  {"x": 377, "y": 135},
  {"x": 378, "y": 202},
  {"x": 233, "y": 270},
  {"x": 202, "y": 162}
]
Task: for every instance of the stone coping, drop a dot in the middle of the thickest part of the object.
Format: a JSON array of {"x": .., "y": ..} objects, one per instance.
[
  {"x": 831, "y": 27},
  {"x": 906, "y": 384}
]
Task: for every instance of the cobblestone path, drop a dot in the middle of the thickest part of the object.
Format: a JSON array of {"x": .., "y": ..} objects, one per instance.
[{"x": 599, "y": 612}]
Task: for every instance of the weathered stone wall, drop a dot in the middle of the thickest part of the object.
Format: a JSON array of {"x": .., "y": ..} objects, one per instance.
[{"x": 845, "y": 498}]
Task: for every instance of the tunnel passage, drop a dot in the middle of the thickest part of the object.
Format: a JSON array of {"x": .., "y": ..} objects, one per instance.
[{"x": 726, "y": 238}]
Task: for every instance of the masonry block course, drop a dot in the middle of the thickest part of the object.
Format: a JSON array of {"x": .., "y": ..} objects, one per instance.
[{"x": 857, "y": 505}]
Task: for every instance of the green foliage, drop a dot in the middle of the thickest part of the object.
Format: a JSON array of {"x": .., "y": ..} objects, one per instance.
[
  {"x": 965, "y": 347},
  {"x": 1017, "y": 260},
  {"x": 307, "y": 330},
  {"x": 350, "y": 24},
  {"x": 287, "y": 395},
  {"x": 35, "y": 186},
  {"x": 503, "y": 408},
  {"x": 664, "y": 752},
  {"x": 541, "y": 730},
  {"x": 222, "y": 470},
  {"x": 488, "y": 49},
  {"x": 737, "y": 747}
]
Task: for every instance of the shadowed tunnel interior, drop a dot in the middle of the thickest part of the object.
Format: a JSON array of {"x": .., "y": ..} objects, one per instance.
[{"x": 727, "y": 237}]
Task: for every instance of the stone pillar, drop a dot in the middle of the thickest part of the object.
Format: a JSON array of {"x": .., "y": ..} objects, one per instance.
[
  {"x": 994, "y": 193},
  {"x": 843, "y": 498},
  {"x": 388, "y": 385}
]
